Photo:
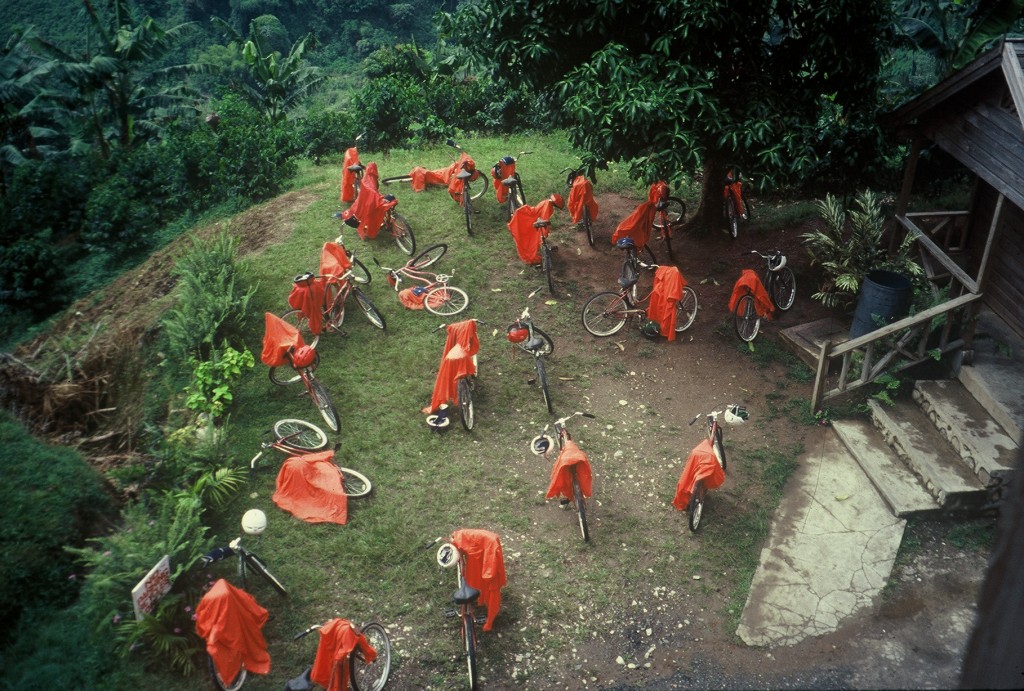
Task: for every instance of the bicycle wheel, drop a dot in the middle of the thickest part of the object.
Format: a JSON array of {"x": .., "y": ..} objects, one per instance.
[
  {"x": 542, "y": 382},
  {"x": 396, "y": 178},
  {"x": 233, "y": 685},
  {"x": 745, "y": 318},
  {"x": 323, "y": 402},
  {"x": 545, "y": 266},
  {"x": 696, "y": 508},
  {"x": 300, "y": 435},
  {"x": 605, "y": 314},
  {"x": 372, "y": 676},
  {"x": 469, "y": 642},
  {"x": 467, "y": 207},
  {"x": 257, "y": 565},
  {"x": 546, "y": 349},
  {"x": 732, "y": 217},
  {"x": 675, "y": 212},
  {"x": 444, "y": 301},
  {"x": 588, "y": 225},
  {"x": 356, "y": 484},
  {"x": 482, "y": 179},
  {"x": 783, "y": 288},
  {"x": 718, "y": 447},
  {"x": 581, "y": 509},
  {"x": 286, "y": 374},
  {"x": 465, "y": 394},
  {"x": 371, "y": 312},
  {"x": 401, "y": 231},
  {"x": 428, "y": 256},
  {"x": 335, "y": 315},
  {"x": 648, "y": 255},
  {"x": 686, "y": 309},
  {"x": 359, "y": 272},
  {"x": 298, "y": 319}
]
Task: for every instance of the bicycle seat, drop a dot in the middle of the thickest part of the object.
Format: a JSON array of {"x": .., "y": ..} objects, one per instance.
[
  {"x": 629, "y": 276},
  {"x": 465, "y": 594},
  {"x": 509, "y": 181},
  {"x": 463, "y": 174},
  {"x": 356, "y": 168},
  {"x": 540, "y": 223},
  {"x": 534, "y": 344}
]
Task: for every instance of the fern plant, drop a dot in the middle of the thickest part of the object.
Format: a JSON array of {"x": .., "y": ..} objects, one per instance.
[{"x": 851, "y": 244}]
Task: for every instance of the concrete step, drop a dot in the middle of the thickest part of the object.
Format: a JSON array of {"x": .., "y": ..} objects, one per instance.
[
  {"x": 901, "y": 490},
  {"x": 968, "y": 427},
  {"x": 995, "y": 376},
  {"x": 916, "y": 441}
]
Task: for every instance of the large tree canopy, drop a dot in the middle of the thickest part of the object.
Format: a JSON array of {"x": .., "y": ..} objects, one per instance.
[{"x": 786, "y": 88}]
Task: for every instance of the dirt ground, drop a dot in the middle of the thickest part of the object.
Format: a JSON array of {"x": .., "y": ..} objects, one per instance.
[{"x": 914, "y": 640}]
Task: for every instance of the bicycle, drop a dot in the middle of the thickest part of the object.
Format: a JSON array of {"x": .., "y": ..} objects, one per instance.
[
  {"x": 669, "y": 214},
  {"x": 733, "y": 414},
  {"x": 542, "y": 444},
  {"x": 440, "y": 176},
  {"x": 508, "y": 186},
  {"x": 735, "y": 205},
  {"x": 526, "y": 336},
  {"x": 465, "y": 598},
  {"x": 298, "y": 437},
  {"x": 607, "y": 312},
  {"x": 433, "y": 291},
  {"x": 542, "y": 226},
  {"x": 466, "y": 174},
  {"x": 336, "y": 290},
  {"x": 303, "y": 361},
  {"x": 365, "y": 670},
  {"x": 351, "y": 173},
  {"x": 534, "y": 249},
  {"x": 394, "y": 223},
  {"x": 246, "y": 561},
  {"x": 465, "y": 383},
  {"x": 581, "y": 196},
  {"x": 778, "y": 283}
]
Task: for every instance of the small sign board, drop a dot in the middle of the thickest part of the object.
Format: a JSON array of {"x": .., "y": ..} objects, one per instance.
[{"x": 150, "y": 589}]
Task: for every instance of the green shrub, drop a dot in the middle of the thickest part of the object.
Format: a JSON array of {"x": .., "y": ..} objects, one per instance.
[
  {"x": 213, "y": 297},
  {"x": 50, "y": 499},
  {"x": 210, "y": 391},
  {"x": 326, "y": 131}
]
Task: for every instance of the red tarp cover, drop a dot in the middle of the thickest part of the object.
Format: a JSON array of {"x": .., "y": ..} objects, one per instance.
[
  {"x": 334, "y": 260},
  {"x": 348, "y": 178},
  {"x": 639, "y": 223},
  {"x": 701, "y": 465},
  {"x": 485, "y": 567},
  {"x": 749, "y": 280},
  {"x": 308, "y": 296},
  {"x": 338, "y": 638},
  {"x": 668, "y": 290},
  {"x": 310, "y": 487},
  {"x": 456, "y": 361},
  {"x": 455, "y": 185},
  {"x": 561, "y": 476},
  {"x": 527, "y": 238},
  {"x": 231, "y": 623},
  {"x": 502, "y": 171},
  {"x": 582, "y": 194},
  {"x": 279, "y": 337},
  {"x": 371, "y": 207}
]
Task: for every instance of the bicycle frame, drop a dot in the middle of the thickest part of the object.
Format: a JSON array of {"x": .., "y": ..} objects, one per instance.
[
  {"x": 465, "y": 599},
  {"x": 578, "y": 498},
  {"x": 537, "y": 344}
]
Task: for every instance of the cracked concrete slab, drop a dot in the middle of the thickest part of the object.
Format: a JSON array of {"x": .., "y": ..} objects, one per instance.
[{"x": 830, "y": 552}]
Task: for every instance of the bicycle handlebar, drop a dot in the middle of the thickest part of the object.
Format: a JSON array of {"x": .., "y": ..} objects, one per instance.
[
  {"x": 565, "y": 419},
  {"x": 217, "y": 554},
  {"x": 305, "y": 633}
]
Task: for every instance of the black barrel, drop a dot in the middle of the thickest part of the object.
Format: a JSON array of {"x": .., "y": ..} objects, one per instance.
[{"x": 884, "y": 298}]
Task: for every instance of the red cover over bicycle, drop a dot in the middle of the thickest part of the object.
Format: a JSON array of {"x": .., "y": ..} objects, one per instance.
[
  {"x": 561, "y": 473},
  {"x": 750, "y": 281},
  {"x": 668, "y": 291},
  {"x": 502, "y": 171},
  {"x": 638, "y": 224},
  {"x": 371, "y": 206},
  {"x": 338, "y": 638},
  {"x": 311, "y": 488},
  {"x": 308, "y": 295},
  {"x": 485, "y": 567},
  {"x": 526, "y": 236},
  {"x": 701, "y": 465},
  {"x": 348, "y": 178},
  {"x": 582, "y": 195},
  {"x": 334, "y": 261},
  {"x": 279, "y": 339},
  {"x": 231, "y": 623},
  {"x": 456, "y": 361}
]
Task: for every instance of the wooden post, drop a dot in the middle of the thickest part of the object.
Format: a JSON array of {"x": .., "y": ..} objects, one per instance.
[{"x": 817, "y": 394}]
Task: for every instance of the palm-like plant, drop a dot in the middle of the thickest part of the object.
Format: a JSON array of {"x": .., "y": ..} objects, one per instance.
[
  {"x": 120, "y": 95},
  {"x": 850, "y": 245},
  {"x": 281, "y": 82}
]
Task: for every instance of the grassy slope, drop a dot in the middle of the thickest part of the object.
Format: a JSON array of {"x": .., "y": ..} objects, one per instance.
[{"x": 427, "y": 486}]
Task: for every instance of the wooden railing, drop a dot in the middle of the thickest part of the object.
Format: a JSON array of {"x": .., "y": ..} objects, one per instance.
[{"x": 905, "y": 343}]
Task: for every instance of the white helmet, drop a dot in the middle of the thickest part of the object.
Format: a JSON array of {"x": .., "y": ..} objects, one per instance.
[
  {"x": 254, "y": 522},
  {"x": 541, "y": 444},
  {"x": 736, "y": 414},
  {"x": 447, "y": 555}
]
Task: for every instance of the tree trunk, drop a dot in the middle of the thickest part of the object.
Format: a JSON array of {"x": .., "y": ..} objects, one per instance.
[{"x": 708, "y": 215}]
